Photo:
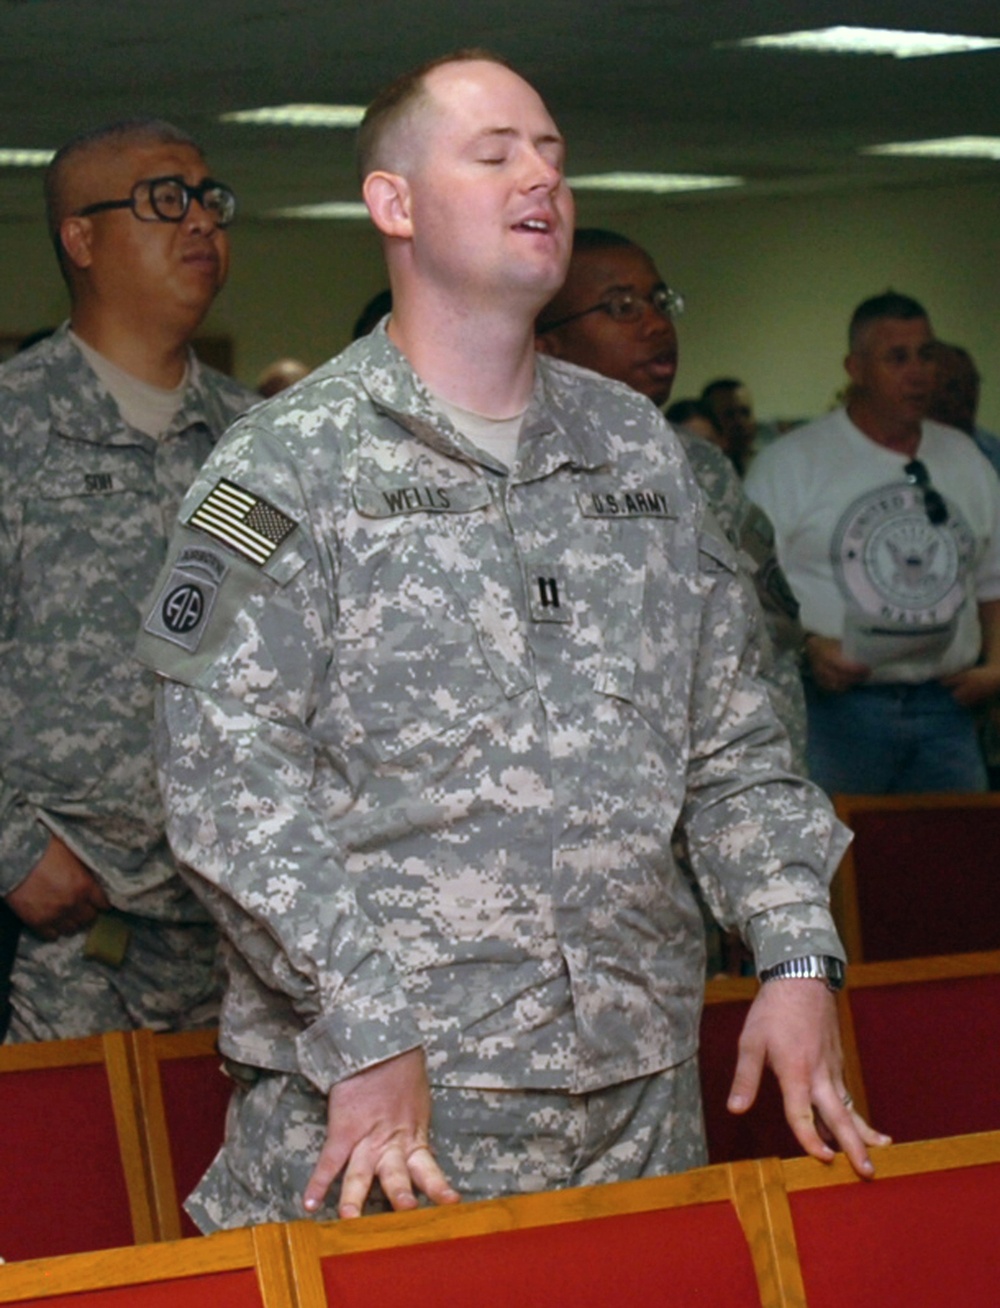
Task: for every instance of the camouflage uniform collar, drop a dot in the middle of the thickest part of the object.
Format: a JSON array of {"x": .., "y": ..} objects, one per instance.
[
  {"x": 203, "y": 404},
  {"x": 82, "y": 408},
  {"x": 556, "y": 431}
]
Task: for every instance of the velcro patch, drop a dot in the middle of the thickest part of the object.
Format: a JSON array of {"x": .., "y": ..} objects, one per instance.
[
  {"x": 649, "y": 503},
  {"x": 98, "y": 483},
  {"x": 547, "y": 597},
  {"x": 185, "y": 602},
  {"x": 393, "y": 501},
  {"x": 243, "y": 521}
]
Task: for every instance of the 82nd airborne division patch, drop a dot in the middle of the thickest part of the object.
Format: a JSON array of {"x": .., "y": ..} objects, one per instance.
[{"x": 243, "y": 521}]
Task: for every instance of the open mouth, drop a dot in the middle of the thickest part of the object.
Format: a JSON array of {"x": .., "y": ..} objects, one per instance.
[{"x": 664, "y": 364}]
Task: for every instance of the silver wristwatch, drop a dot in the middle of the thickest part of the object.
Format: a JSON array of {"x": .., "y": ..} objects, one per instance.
[{"x": 812, "y": 967}]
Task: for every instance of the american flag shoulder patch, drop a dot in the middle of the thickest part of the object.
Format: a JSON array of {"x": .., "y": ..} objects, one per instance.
[{"x": 243, "y": 521}]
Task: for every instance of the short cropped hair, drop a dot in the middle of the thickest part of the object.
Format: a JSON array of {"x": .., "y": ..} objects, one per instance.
[
  {"x": 120, "y": 135},
  {"x": 890, "y": 304},
  {"x": 712, "y": 388},
  {"x": 682, "y": 411},
  {"x": 396, "y": 102},
  {"x": 586, "y": 239}
]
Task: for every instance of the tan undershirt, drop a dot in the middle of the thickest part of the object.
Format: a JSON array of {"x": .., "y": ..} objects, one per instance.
[
  {"x": 497, "y": 436},
  {"x": 150, "y": 409}
]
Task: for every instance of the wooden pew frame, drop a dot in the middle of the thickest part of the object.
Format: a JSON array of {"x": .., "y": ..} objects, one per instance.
[
  {"x": 734, "y": 1183},
  {"x": 147, "y": 1051},
  {"x": 288, "y": 1257},
  {"x": 261, "y": 1247}
]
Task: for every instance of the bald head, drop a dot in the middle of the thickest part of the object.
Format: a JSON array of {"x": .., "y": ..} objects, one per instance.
[
  {"x": 393, "y": 126},
  {"x": 87, "y": 165}
]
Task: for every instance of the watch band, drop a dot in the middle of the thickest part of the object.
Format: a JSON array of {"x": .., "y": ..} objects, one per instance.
[{"x": 810, "y": 967}]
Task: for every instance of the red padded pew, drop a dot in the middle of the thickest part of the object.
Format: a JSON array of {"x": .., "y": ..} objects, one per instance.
[{"x": 71, "y": 1160}]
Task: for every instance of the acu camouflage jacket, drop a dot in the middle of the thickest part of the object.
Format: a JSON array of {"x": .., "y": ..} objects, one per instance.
[
  {"x": 86, "y": 508},
  {"x": 428, "y": 728}
]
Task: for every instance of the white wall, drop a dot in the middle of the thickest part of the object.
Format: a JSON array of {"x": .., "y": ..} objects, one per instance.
[{"x": 770, "y": 284}]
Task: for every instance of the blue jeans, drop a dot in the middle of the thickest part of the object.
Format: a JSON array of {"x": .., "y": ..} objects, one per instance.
[{"x": 894, "y": 739}]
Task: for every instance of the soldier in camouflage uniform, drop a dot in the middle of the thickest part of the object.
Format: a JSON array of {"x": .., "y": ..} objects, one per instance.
[
  {"x": 434, "y": 703},
  {"x": 103, "y": 427},
  {"x": 614, "y": 313}
]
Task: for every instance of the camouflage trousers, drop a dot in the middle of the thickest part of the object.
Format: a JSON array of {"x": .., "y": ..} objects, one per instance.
[
  {"x": 168, "y": 979},
  {"x": 488, "y": 1143}
]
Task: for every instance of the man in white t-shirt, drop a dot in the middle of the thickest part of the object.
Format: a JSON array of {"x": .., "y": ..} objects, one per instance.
[{"x": 887, "y": 529}]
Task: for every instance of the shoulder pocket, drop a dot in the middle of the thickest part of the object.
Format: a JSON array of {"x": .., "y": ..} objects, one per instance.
[{"x": 193, "y": 615}]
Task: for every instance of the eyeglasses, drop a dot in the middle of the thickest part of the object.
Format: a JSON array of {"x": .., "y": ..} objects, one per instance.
[
  {"x": 934, "y": 505},
  {"x": 628, "y": 306},
  {"x": 168, "y": 199}
]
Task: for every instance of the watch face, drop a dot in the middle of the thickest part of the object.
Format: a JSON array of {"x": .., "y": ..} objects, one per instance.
[{"x": 835, "y": 973}]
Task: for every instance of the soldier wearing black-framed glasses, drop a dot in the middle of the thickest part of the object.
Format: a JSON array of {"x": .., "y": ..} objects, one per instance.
[
  {"x": 112, "y": 414},
  {"x": 168, "y": 199}
]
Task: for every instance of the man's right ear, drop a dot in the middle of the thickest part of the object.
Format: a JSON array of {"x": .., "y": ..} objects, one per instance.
[
  {"x": 387, "y": 196},
  {"x": 75, "y": 236}
]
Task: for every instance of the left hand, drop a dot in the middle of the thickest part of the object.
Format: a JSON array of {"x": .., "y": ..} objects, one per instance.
[
  {"x": 59, "y": 896},
  {"x": 974, "y": 685},
  {"x": 378, "y": 1125},
  {"x": 792, "y": 1025}
]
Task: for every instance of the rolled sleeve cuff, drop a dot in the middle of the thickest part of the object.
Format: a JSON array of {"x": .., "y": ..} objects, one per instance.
[
  {"x": 792, "y": 931},
  {"x": 368, "y": 1031},
  {"x": 23, "y": 841}
]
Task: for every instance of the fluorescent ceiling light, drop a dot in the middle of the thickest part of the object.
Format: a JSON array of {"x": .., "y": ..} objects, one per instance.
[
  {"x": 656, "y": 183},
  {"x": 14, "y": 158},
  {"x": 300, "y": 115},
  {"x": 331, "y": 209},
  {"x": 869, "y": 40},
  {"x": 955, "y": 147}
]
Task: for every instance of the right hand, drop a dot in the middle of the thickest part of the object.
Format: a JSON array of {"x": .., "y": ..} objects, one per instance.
[
  {"x": 792, "y": 1027},
  {"x": 832, "y": 670},
  {"x": 59, "y": 896},
  {"x": 378, "y": 1126}
]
